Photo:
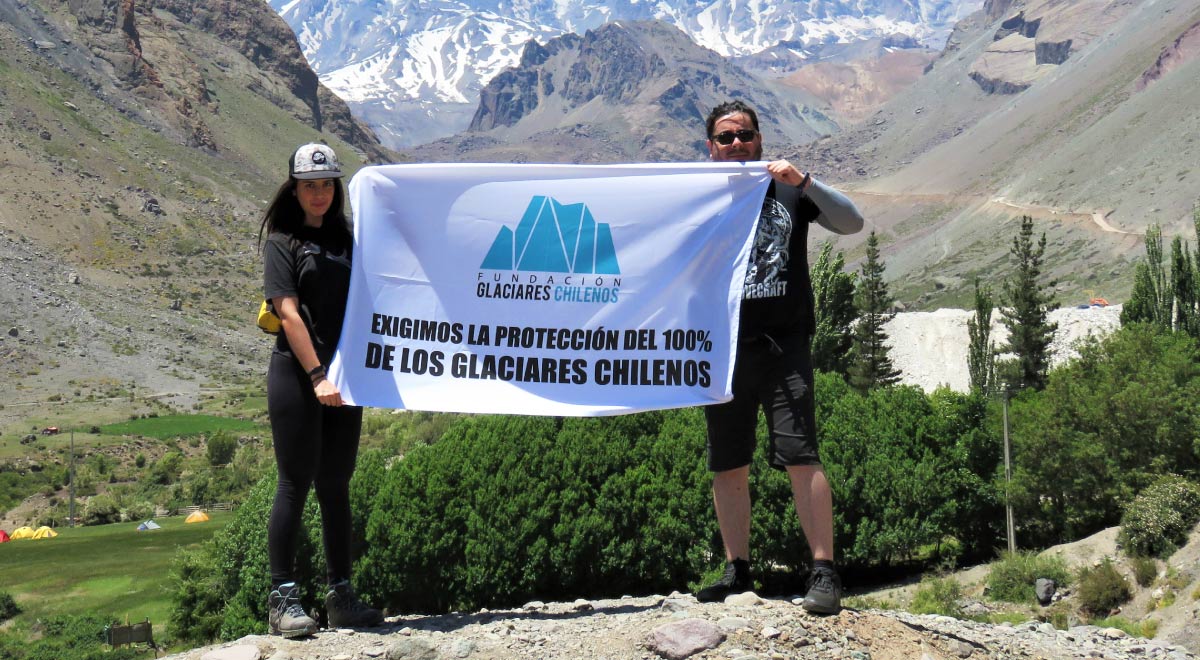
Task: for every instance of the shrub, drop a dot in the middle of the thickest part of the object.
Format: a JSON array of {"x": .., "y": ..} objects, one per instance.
[
  {"x": 139, "y": 511},
  {"x": 1102, "y": 589},
  {"x": 198, "y": 611},
  {"x": 101, "y": 510},
  {"x": 79, "y": 637},
  {"x": 220, "y": 590},
  {"x": 1145, "y": 569},
  {"x": 8, "y": 607},
  {"x": 938, "y": 596},
  {"x": 1013, "y": 578},
  {"x": 505, "y": 509},
  {"x": 221, "y": 447},
  {"x": 1159, "y": 519}
]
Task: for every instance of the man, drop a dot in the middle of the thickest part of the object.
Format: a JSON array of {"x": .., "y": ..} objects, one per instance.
[{"x": 774, "y": 364}]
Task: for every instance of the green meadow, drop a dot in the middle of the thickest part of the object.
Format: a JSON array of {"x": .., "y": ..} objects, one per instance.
[
  {"x": 110, "y": 570},
  {"x": 177, "y": 426}
]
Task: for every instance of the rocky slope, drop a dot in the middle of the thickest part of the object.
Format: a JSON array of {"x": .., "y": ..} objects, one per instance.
[
  {"x": 141, "y": 139},
  {"x": 1086, "y": 149},
  {"x": 747, "y": 627}
]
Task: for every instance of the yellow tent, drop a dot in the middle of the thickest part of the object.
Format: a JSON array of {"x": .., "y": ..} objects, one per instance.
[
  {"x": 21, "y": 533},
  {"x": 197, "y": 516},
  {"x": 44, "y": 532}
]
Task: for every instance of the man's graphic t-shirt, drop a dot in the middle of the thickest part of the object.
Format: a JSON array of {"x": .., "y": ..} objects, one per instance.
[
  {"x": 777, "y": 298},
  {"x": 765, "y": 276}
]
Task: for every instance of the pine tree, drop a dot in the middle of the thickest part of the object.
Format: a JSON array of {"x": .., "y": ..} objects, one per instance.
[
  {"x": 1026, "y": 310},
  {"x": 1183, "y": 288},
  {"x": 833, "y": 290},
  {"x": 981, "y": 354},
  {"x": 870, "y": 362},
  {"x": 1151, "y": 298}
]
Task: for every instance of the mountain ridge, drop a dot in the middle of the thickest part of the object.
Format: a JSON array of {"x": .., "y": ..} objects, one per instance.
[
  {"x": 626, "y": 91},
  {"x": 409, "y": 67}
]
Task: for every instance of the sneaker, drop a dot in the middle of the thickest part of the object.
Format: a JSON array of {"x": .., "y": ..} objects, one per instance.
[
  {"x": 285, "y": 614},
  {"x": 735, "y": 580},
  {"x": 343, "y": 609},
  {"x": 824, "y": 592}
]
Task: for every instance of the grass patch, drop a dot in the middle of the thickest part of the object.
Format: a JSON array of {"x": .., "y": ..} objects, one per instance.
[
  {"x": 109, "y": 570},
  {"x": 176, "y": 426},
  {"x": 1012, "y": 578},
  {"x": 1145, "y": 629},
  {"x": 938, "y": 596}
]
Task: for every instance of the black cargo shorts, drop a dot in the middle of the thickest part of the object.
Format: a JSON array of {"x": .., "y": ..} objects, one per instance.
[{"x": 776, "y": 374}]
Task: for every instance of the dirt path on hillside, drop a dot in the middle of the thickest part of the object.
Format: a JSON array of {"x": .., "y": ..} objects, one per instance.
[
  {"x": 1100, "y": 218},
  {"x": 1003, "y": 205}
]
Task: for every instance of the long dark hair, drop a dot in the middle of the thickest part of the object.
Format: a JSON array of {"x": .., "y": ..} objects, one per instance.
[{"x": 284, "y": 214}]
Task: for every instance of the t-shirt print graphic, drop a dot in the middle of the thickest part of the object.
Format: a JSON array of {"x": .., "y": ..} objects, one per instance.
[{"x": 766, "y": 275}]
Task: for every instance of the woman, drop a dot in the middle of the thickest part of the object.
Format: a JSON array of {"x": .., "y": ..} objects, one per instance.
[{"x": 306, "y": 275}]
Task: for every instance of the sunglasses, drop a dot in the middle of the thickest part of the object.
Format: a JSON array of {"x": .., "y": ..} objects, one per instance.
[{"x": 726, "y": 138}]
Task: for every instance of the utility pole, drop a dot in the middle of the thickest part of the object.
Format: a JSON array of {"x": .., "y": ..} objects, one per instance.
[
  {"x": 1012, "y": 535},
  {"x": 71, "y": 485}
]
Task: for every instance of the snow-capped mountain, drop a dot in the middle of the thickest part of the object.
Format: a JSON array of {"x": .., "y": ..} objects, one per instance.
[{"x": 413, "y": 68}]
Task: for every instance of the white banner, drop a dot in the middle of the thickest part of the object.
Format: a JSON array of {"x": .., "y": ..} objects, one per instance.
[{"x": 546, "y": 289}]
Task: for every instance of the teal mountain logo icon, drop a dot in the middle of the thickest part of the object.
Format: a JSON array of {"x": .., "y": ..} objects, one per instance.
[{"x": 555, "y": 238}]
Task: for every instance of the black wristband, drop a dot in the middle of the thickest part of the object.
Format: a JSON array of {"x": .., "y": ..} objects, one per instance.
[
  {"x": 805, "y": 181},
  {"x": 318, "y": 370}
]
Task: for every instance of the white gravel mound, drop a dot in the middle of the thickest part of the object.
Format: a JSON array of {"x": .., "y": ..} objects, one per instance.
[{"x": 930, "y": 348}]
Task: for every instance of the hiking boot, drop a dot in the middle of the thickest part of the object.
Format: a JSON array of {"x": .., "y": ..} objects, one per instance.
[
  {"x": 285, "y": 614},
  {"x": 343, "y": 609},
  {"x": 735, "y": 580},
  {"x": 824, "y": 591}
]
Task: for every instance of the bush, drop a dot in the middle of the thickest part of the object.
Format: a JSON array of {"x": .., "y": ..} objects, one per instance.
[
  {"x": 907, "y": 470},
  {"x": 8, "y": 607},
  {"x": 101, "y": 510},
  {"x": 1159, "y": 519},
  {"x": 1013, "y": 578},
  {"x": 938, "y": 596},
  {"x": 1145, "y": 569},
  {"x": 502, "y": 510},
  {"x": 1108, "y": 424},
  {"x": 54, "y": 638},
  {"x": 139, "y": 511},
  {"x": 221, "y": 447},
  {"x": 197, "y": 613},
  {"x": 1102, "y": 589},
  {"x": 220, "y": 590}
]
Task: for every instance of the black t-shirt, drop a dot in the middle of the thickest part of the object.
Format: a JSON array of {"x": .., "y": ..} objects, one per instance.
[
  {"x": 778, "y": 297},
  {"x": 313, "y": 266}
]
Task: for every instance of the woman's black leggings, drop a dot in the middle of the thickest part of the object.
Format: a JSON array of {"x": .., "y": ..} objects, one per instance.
[{"x": 314, "y": 444}]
